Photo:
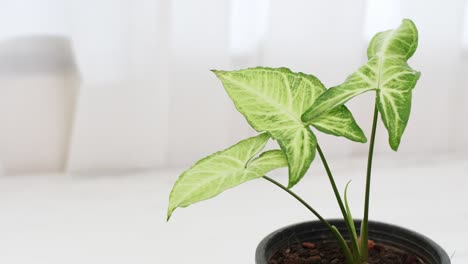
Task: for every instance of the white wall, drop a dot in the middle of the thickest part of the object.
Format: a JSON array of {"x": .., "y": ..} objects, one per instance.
[
  {"x": 122, "y": 115},
  {"x": 148, "y": 99}
]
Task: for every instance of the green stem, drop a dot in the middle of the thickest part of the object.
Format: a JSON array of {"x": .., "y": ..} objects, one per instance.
[
  {"x": 333, "y": 229},
  {"x": 365, "y": 219},
  {"x": 344, "y": 246},
  {"x": 299, "y": 199},
  {"x": 354, "y": 242}
]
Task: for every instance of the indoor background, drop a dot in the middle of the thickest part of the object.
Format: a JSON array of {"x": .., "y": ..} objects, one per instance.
[{"x": 103, "y": 103}]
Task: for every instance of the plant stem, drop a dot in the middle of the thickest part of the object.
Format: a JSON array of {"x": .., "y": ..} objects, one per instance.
[
  {"x": 299, "y": 199},
  {"x": 332, "y": 181},
  {"x": 354, "y": 243},
  {"x": 365, "y": 219},
  {"x": 333, "y": 229}
]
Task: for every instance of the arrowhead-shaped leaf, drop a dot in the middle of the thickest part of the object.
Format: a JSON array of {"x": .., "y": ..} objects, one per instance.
[
  {"x": 388, "y": 73},
  {"x": 273, "y": 100},
  {"x": 223, "y": 170},
  {"x": 340, "y": 122}
]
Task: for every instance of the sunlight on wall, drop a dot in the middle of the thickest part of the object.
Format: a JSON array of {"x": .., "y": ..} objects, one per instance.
[
  {"x": 24, "y": 17},
  {"x": 465, "y": 28},
  {"x": 248, "y": 25},
  {"x": 381, "y": 15}
]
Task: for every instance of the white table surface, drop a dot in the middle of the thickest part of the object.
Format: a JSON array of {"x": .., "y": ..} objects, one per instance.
[{"x": 120, "y": 217}]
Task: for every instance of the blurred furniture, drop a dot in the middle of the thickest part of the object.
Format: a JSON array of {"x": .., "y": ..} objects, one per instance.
[{"x": 38, "y": 88}]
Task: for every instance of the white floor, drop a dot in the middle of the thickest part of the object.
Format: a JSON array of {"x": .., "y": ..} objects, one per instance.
[{"x": 57, "y": 219}]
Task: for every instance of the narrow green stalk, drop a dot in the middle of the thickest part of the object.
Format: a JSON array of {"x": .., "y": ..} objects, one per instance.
[
  {"x": 333, "y": 229},
  {"x": 343, "y": 245},
  {"x": 299, "y": 199},
  {"x": 365, "y": 219},
  {"x": 354, "y": 242}
]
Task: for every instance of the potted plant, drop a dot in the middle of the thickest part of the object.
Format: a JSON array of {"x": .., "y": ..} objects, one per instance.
[{"x": 290, "y": 108}]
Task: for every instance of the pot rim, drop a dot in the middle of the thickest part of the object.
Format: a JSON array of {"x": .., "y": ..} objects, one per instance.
[{"x": 381, "y": 227}]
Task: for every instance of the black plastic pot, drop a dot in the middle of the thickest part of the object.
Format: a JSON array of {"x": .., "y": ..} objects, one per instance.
[{"x": 391, "y": 235}]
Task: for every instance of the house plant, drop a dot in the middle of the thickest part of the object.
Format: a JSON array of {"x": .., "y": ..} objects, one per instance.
[{"x": 285, "y": 106}]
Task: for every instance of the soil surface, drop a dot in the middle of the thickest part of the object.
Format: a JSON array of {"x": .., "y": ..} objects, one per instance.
[{"x": 329, "y": 252}]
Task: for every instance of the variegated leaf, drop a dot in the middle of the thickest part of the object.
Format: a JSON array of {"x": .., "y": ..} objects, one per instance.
[
  {"x": 388, "y": 73},
  {"x": 273, "y": 100},
  {"x": 340, "y": 122},
  {"x": 223, "y": 170}
]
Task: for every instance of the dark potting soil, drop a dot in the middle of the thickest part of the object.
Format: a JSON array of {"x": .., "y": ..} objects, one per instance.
[{"x": 329, "y": 252}]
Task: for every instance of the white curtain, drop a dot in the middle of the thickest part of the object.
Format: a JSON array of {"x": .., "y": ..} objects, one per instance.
[{"x": 147, "y": 98}]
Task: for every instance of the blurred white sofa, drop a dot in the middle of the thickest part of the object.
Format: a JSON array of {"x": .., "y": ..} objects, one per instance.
[{"x": 38, "y": 85}]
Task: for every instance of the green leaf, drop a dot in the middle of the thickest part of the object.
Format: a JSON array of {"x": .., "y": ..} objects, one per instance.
[
  {"x": 273, "y": 100},
  {"x": 267, "y": 161},
  {"x": 386, "y": 72},
  {"x": 340, "y": 122},
  {"x": 223, "y": 170}
]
